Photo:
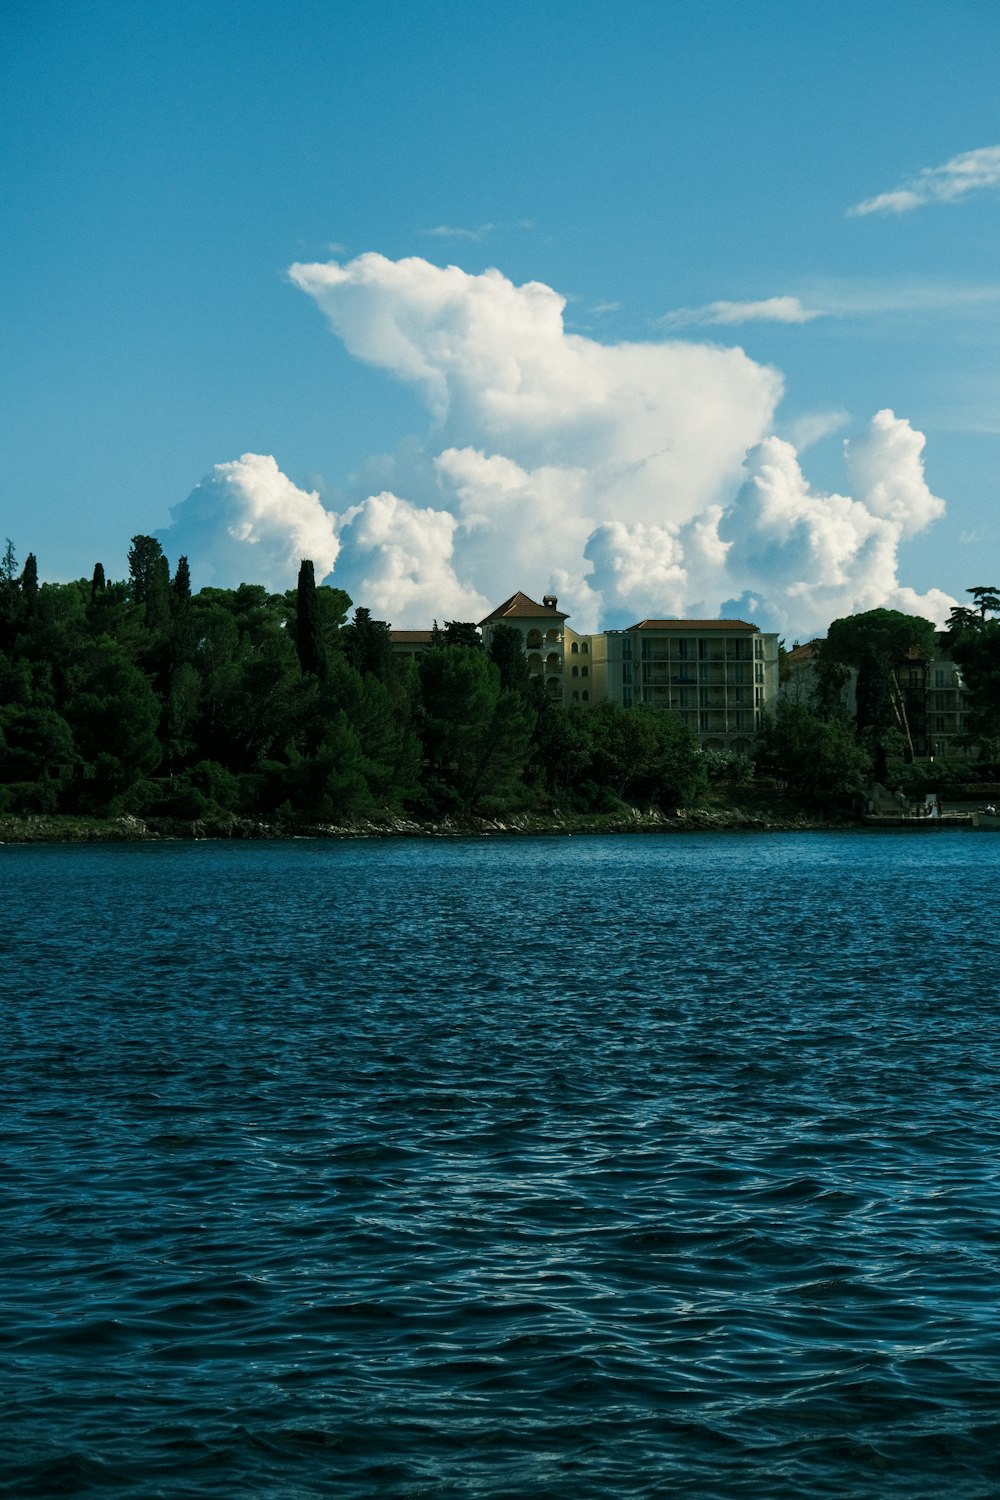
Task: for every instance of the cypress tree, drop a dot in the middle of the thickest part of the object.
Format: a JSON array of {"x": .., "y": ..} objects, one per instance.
[
  {"x": 97, "y": 583},
  {"x": 29, "y": 585},
  {"x": 182, "y": 581},
  {"x": 308, "y": 636}
]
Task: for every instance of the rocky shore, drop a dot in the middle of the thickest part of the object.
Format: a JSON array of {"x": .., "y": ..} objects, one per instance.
[{"x": 52, "y": 829}]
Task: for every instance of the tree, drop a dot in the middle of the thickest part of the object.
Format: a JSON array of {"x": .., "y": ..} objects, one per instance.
[
  {"x": 10, "y": 598},
  {"x": 974, "y": 643},
  {"x": 29, "y": 586},
  {"x": 182, "y": 581},
  {"x": 877, "y": 643},
  {"x": 308, "y": 636},
  {"x": 98, "y": 582},
  {"x": 507, "y": 655},
  {"x": 462, "y": 633},
  {"x": 646, "y": 753},
  {"x": 368, "y": 645},
  {"x": 475, "y": 735},
  {"x": 817, "y": 758}
]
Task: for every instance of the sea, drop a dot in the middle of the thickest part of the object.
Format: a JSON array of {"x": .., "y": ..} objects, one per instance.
[{"x": 653, "y": 1165}]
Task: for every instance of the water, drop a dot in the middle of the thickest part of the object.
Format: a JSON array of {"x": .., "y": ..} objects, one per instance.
[{"x": 588, "y": 1167}]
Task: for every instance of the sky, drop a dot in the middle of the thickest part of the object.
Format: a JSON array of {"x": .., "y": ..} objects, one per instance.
[{"x": 671, "y": 309}]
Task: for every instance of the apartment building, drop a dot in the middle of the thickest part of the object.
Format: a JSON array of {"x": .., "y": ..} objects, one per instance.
[{"x": 720, "y": 676}]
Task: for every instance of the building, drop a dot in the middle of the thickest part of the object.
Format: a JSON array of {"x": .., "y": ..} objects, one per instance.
[
  {"x": 541, "y": 627},
  {"x": 720, "y": 676},
  {"x": 931, "y": 702}
]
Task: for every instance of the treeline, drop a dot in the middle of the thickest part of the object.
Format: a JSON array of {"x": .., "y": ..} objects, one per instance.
[{"x": 141, "y": 697}]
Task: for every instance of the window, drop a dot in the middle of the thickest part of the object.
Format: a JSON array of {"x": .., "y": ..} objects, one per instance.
[
  {"x": 584, "y": 647},
  {"x": 585, "y": 696},
  {"x": 574, "y": 649},
  {"x": 940, "y": 677},
  {"x": 576, "y": 671},
  {"x": 576, "y": 697},
  {"x": 584, "y": 671}
]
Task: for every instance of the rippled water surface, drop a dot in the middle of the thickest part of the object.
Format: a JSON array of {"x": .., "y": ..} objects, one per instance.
[{"x": 587, "y": 1167}]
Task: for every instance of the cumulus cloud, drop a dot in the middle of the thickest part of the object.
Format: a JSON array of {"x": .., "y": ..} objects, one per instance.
[
  {"x": 807, "y": 557},
  {"x": 247, "y": 521},
  {"x": 398, "y": 562},
  {"x": 655, "y": 424},
  {"x": 971, "y": 172},
  {"x": 629, "y": 479},
  {"x": 768, "y": 310}
]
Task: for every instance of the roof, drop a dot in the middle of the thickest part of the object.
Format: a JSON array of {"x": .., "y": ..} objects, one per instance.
[
  {"x": 520, "y": 607},
  {"x": 700, "y": 625},
  {"x": 411, "y": 637}
]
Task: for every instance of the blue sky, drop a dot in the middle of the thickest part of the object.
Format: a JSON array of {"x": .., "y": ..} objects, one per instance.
[{"x": 678, "y": 173}]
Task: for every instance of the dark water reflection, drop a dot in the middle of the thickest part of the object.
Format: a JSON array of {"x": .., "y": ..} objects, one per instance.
[{"x": 587, "y": 1167}]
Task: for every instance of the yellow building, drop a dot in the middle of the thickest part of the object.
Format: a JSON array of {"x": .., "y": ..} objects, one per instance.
[
  {"x": 720, "y": 676},
  {"x": 541, "y": 629}
]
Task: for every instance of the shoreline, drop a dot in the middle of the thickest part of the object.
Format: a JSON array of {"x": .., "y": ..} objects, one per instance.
[{"x": 52, "y": 829}]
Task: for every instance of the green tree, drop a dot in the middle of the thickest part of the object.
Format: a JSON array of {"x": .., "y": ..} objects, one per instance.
[
  {"x": 309, "y": 641},
  {"x": 816, "y": 758},
  {"x": 877, "y": 643},
  {"x": 974, "y": 644},
  {"x": 368, "y": 645},
  {"x": 182, "y": 581},
  {"x": 29, "y": 586},
  {"x": 475, "y": 735},
  {"x": 507, "y": 655}
]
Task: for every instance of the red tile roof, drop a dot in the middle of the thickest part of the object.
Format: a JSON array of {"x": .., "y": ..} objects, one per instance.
[
  {"x": 411, "y": 637},
  {"x": 520, "y": 607}
]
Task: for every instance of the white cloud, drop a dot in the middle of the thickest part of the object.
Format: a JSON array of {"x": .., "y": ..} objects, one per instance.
[
  {"x": 398, "y": 563},
  {"x": 813, "y": 426},
  {"x": 768, "y": 310},
  {"x": 448, "y": 232},
  {"x": 247, "y": 522},
  {"x": 614, "y": 475},
  {"x": 656, "y": 424},
  {"x": 811, "y": 557},
  {"x": 971, "y": 172}
]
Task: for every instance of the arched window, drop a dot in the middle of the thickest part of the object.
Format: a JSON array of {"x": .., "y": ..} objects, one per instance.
[
  {"x": 584, "y": 671},
  {"x": 584, "y": 646},
  {"x": 576, "y": 671},
  {"x": 585, "y": 695},
  {"x": 574, "y": 648}
]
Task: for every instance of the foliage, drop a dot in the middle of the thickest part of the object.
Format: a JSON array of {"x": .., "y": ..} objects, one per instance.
[
  {"x": 817, "y": 758},
  {"x": 974, "y": 642}
]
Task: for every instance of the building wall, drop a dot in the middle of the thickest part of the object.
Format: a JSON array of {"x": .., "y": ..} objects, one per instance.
[{"x": 719, "y": 681}]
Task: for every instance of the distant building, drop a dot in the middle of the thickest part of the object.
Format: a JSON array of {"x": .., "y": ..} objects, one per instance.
[
  {"x": 931, "y": 701},
  {"x": 410, "y": 642},
  {"x": 720, "y": 676},
  {"x": 541, "y": 630}
]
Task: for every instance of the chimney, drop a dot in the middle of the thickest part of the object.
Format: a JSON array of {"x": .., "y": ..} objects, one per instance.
[{"x": 549, "y": 600}]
